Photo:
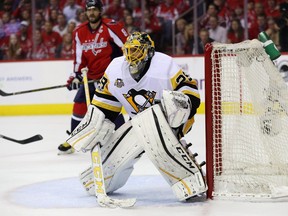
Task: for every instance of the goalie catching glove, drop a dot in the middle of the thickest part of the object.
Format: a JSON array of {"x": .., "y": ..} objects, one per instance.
[
  {"x": 94, "y": 128},
  {"x": 177, "y": 107}
]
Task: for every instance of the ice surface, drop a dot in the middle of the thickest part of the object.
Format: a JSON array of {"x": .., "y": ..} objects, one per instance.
[{"x": 35, "y": 181}]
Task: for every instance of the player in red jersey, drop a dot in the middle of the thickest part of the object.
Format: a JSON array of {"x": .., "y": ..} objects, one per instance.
[{"x": 95, "y": 43}]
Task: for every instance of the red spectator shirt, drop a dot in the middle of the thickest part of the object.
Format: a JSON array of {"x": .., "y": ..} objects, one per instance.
[
  {"x": 26, "y": 46},
  {"x": 41, "y": 52},
  {"x": 66, "y": 52},
  {"x": 52, "y": 41},
  {"x": 166, "y": 12},
  {"x": 95, "y": 49}
]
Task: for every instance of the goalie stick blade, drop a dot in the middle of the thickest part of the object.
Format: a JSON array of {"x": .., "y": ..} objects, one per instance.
[
  {"x": 106, "y": 201},
  {"x": 24, "y": 141}
]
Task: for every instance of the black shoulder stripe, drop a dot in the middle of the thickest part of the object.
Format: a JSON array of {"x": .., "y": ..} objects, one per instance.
[
  {"x": 185, "y": 84},
  {"x": 105, "y": 96}
]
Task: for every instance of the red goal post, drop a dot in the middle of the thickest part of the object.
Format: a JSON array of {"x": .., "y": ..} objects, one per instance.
[{"x": 246, "y": 112}]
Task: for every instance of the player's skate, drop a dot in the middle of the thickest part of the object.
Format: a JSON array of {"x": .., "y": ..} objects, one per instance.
[{"x": 65, "y": 148}]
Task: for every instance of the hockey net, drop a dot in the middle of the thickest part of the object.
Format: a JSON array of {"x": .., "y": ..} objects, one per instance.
[{"x": 246, "y": 106}]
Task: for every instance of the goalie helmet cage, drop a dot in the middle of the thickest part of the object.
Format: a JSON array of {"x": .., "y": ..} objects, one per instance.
[{"x": 246, "y": 123}]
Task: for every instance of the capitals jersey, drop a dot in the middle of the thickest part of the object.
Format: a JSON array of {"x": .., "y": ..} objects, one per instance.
[
  {"x": 96, "y": 48},
  {"x": 118, "y": 88}
]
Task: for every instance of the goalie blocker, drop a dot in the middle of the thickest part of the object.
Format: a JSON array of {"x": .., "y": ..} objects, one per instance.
[{"x": 122, "y": 151}]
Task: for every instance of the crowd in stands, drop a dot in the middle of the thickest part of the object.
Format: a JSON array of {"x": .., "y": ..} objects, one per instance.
[{"x": 55, "y": 20}]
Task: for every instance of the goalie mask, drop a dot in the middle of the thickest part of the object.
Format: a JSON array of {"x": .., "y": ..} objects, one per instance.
[{"x": 138, "y": 49}]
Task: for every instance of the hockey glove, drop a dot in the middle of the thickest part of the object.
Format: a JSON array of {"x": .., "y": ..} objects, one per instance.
[
  {"x": 74, "y": 82},
  {"x": 177, "y": 107}
]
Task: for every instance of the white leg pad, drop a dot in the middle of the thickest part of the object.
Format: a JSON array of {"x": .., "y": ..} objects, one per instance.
[
  {"x": 118, "y": 157},
  {"x": 196, "y": 187},
  {"x": 92, "y": 129},
  {"x": 180, "y": 170}
]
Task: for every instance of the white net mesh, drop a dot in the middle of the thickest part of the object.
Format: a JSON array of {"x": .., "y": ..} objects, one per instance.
[{"x": 250, "y": 123}]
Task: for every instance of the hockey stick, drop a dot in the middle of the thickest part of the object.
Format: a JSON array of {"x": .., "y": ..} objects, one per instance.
[
  {"x": 2, "y": 93},
  {"x": 84, "y": 72},
  {"x": 102, "y": 198},
  {"x": 24, "y": 141},
  {"x": 98, "y": 175}
]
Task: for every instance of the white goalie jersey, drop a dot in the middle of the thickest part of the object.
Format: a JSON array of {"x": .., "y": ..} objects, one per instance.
[{"x": 117, "y": 88}]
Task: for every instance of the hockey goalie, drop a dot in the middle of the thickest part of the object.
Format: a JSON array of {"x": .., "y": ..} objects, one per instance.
[{"x": 161, "y": 101}]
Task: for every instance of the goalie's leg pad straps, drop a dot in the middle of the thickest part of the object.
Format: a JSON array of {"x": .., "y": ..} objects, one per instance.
[
  {"x": 165, "y": 151},
  {"x": 119, "y": 155}
]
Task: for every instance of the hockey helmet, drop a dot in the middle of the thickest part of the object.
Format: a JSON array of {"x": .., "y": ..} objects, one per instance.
[
  {"x": 94, "y": 3},
  {"x": 138, "y": 49}
]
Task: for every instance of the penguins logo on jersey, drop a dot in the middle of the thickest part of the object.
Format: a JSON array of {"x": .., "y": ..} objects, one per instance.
[{"x": 140, "y": 100}]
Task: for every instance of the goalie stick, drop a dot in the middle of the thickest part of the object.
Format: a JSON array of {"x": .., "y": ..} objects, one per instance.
[
  {"x": 98, "y": 175},
  {"x": 2, "y": 93},
  {"x": 102, "y": 198},
  {"x": 24, "y": 141}
]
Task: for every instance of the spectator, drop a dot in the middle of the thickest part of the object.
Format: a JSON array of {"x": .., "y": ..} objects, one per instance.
[
  {"x": 10, "y": 25},
  {"x": 259, "y": 26},
  {"x": 250, "y": 13},
  {"x": 129, "y": 24},
  {"x": 137, "y": 12},
  {"x": 182, "y": 5},
  {"x": 70, "y": 9},
  {"x": 25, "y": 38},
  {"x": 212, "y": 10},
  {"x": 7, "y": 7},
  {"x": 224, "y": 13},
  {"x": 80, "y": 17},
  {"x": 53, "y": 5},
  {"x": 5, "y": 19},
  {"x": 189, "y": 38},
  {"x": 217, "y": 32},
  {"x": 61, "y": 26},
  {"x": 66, "y": 48},
  {"x": 166, "y": 12},
  {"x": 152, "y": 26},
  {"x": 115, "y": 11},
  {"x": 14, "y": 51},
  {"x": 180, "y": 38},
  {"x": 273, "y": 31},
  {"x": 26, "y": 15},
  {"x": 53, "y": 16},
  {"x": 204, "y": 38},
  {"x": 41, "y": 51},
  {"x": 259, "y": 10},
  {"x": 71, "y": 26},
  {"x": 52, "y": 40},
  {"x": 238, "y": 14},
  {"x": 39, "y": 20},
  {"x": 23, "y": 11},
  {"x": 126, "y": 12},
  {"x": 272, "y": 9},
  {"x": 235, "y": 32}
]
